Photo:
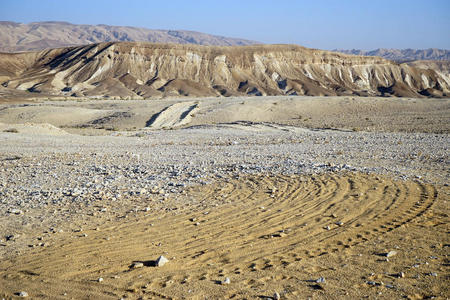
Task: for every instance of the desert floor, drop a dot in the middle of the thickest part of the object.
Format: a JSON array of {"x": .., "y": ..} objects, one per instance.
[{"x": 300, "y": 196}]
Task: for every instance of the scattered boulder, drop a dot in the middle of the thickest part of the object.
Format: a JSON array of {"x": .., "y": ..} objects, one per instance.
[{"x": 161, "y": 261}]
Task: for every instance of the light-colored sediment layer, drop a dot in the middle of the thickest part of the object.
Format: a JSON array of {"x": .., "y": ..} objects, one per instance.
[{"x": 267, "y": 233}]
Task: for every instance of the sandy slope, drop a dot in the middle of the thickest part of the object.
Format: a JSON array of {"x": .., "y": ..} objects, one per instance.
[{"x": 175, "y": 115}]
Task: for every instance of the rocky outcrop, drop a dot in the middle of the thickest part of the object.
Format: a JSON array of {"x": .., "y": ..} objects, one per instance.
[{"x": 145, "y": 70}]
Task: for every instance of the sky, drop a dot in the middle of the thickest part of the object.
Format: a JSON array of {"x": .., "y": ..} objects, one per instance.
[{"x": 323, "y": 24}]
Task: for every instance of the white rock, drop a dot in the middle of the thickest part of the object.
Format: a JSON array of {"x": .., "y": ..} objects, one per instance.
[
  {"x": 276, "y": 296},
  {"x": 391, "y": 253},
  {"x": 161, "y": 261},
  {"x": 137, "y": 265},
  {"x": 100, "y": 279},
  {"x": 226, "y": 281},
  {"x": 320, "y": 280},
  {"x": 23, "y": 294},
  {"x": 15, "y": 211}
]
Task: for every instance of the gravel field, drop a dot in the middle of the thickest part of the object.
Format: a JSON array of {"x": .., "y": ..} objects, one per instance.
[{"x": 45, "y": 172}]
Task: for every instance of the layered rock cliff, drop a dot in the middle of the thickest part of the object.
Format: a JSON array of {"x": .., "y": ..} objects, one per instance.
[{"x": 148, "y": 70}]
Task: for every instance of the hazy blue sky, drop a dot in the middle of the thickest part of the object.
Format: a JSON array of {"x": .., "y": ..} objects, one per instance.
[{"x": 326, "y": 24}]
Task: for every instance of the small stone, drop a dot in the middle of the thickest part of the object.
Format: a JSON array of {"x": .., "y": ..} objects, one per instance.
[
  {"x": 320, "y": 280},
  {"x": 100, "y": 279},
  {"x": 391, "y": 253},
  {"x": 226, "y": 281},
  {"x": 276, "y": 296},
  {"x": 15, "y": 211},
  {"x": 371, "y": 283},
  {"x": 22, "y": 294},
  {"x": 401, "y": 275},
  {"x": 137, "y": 265},
  {"x": 161, "y": 261}
]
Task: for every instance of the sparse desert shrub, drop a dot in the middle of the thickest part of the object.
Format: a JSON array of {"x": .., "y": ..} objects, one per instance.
[{"x": 11, "y": 130}]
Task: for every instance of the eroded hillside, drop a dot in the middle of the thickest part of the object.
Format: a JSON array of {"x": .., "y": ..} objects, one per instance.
[{"x": 145, "y": 70}]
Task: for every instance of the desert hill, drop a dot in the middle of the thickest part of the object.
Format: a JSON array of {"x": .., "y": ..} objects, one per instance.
[
  {"x": 403, "y": 55},
  {"x": 43, "y": 35},
  {"x": 145, "y": 70}
]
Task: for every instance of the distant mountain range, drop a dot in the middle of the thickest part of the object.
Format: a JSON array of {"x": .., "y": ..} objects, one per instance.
[
  {"x": 16, "y": 37},
  {"x": 402, "y": 55}
]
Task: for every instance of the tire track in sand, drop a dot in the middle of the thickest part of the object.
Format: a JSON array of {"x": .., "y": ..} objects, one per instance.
[{"x": 260, "y": 222}]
